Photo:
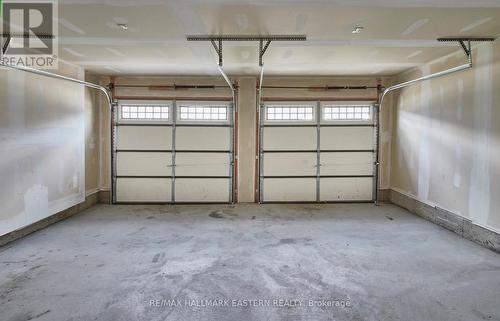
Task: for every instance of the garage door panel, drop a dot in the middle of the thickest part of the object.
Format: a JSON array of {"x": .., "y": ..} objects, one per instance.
[
  {"x": 346, "y": 189},
  {"x": 289, "y": 164},
  {"x": 196, "y": 138},
  {"x": 143, "y": 164},
  {"x": 202, "y": 164},
  {"x": 202, "y": 190},
  {"x": 346, "y": 163},
  {"x": 289, "y": 189},
  {"x": 289, "y": 138},
  {"x": 347, "y": 138},
  {"x": 202, "y": 138},
  {"x": 144, "y": 137},
  {"x": 143, "y": 189}
]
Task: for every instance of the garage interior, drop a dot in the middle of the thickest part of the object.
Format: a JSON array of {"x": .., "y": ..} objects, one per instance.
[{"x": 297, "y": 160}]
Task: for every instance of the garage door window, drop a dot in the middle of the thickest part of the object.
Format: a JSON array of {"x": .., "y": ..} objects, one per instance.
[
  {"x": 351, "y": 112},
  {"x": 203, "y": 113},
  {"x": 289, "y": 113},
  {"x": 145, "y": 112}
]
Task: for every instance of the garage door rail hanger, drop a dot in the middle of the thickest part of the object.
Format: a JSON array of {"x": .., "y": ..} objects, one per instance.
[{"x": 218, "y": 40}]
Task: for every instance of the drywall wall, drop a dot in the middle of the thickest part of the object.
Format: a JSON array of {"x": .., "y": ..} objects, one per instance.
[
  {"x": 92, "y": 135},
  {"x": 42, "y": 146},
  {"x": 446, "y": 137},
  {"x": 104, "y": 137}
]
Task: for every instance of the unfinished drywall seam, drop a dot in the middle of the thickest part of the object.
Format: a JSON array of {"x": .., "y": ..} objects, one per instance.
[
  {"x": 457, "y": 177},
  {"x": 479, "y": 190},
  {"x": 424, "y": 137}
]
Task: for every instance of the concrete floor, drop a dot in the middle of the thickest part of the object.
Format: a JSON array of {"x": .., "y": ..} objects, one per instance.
[{"x": 113, "y": 262}]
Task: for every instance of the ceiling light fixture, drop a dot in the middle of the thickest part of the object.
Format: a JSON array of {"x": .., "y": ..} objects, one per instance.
[
  {"x": 122, "y": 25},
  {"x": 357, "y": 30}
]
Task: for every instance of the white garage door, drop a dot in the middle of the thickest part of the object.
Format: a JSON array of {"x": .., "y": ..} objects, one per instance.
[
  {"x": 317, "y": 152},
  {"x": 173, "y": 152}
]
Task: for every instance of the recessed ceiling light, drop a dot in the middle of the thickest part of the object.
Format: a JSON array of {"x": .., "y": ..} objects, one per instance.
[
  {"x": 122, "y": 25},
  {"x": 357, "y": 30}
]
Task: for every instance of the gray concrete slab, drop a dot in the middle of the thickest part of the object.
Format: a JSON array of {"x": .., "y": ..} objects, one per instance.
[{"x": 156, "y": 262}]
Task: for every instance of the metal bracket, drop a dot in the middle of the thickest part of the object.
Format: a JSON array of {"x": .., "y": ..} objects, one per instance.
[
  {"x": 218, "y": 50},
  {"x": 217, "y": 42},
  {"x": 465, "y": 43},
  {"x": 466, "y": 48},
  {"x": 262, "y": 50}
]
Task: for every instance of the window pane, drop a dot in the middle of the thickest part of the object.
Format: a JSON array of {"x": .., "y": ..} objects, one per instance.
[
  {"x": 355, "y": 112},
  {"x": 204, "y": 113},
  {"x": 289, "y": 113},
  {"x": 145, "y": 112}
]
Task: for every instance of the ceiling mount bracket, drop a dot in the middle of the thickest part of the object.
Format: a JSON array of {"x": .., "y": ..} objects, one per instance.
[
  {"x": 218, "y": 50},
  {"x": 262, "y": 50},
  {"x": 467, "y": 49},
  {"x": 217, "y": 42},
  {"x": 465, "y": 43}
]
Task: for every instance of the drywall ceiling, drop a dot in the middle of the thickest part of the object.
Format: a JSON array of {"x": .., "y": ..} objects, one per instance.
[{"x": 397, "y": 35}]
